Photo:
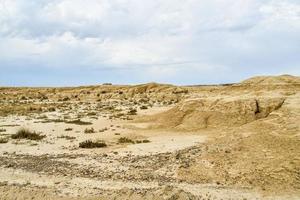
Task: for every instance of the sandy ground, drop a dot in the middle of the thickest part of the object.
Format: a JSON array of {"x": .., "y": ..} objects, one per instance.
[{"x": 205, "y": 142}]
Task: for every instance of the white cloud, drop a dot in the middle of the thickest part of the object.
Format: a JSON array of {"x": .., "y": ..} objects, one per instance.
[{"x": 167, "y": 36}]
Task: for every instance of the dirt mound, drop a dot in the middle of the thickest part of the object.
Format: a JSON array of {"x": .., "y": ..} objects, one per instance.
[
  {"x": 260, "y": 155},
  {"x": 272, "y": 80},
  {"x": 219, "y": 112},
  {"x": 260, "y": 160},
  {"x": 263, "y": 154}
]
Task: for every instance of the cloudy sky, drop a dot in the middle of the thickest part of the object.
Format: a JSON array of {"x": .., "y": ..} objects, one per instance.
[{"x": 79, "y": 42}]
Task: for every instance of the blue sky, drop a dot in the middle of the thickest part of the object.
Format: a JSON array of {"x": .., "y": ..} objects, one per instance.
[{"x": 79, "y": 42}]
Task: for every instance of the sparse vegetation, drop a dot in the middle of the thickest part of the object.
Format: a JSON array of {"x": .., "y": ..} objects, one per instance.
[
  {"x": 78, "y": 122},
  {"x": 91, "y": 114},
  {"x": 51, "y": 109},
  {"x": 142, "y": 141},
  {"x": 180, "y": 91},
  {"x": 3, "y": 140},
  {"x": 27, "y": 134},
  {"x": 42, "y": 117},
  {"x": 88, "y": 144},
  {"x": 89, "y": 130},
  {"x": 103, "y": 130},
  {"x": 23, "y": 98},
  {"x": 10, "y": 125},
  {"x": 67, "y": 137},
  {"x": 123, "y": 140},
  {"x": 127, "y": 146},
  {"x": 64, "y": 99},
  {"x": 143, "y": 107},
  {"x": 132, "y": 112},
  {"x": 53, "y": 121}
]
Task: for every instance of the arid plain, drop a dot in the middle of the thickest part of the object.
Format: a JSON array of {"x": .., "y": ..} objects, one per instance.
[{"x": 152, "y": 141}]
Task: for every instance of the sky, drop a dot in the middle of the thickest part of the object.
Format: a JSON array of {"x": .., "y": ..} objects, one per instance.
[{"x": 80, "y": 42}]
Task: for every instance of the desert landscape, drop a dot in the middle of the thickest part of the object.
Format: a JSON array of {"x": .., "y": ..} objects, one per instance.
[{"x": 152, "y": 141}]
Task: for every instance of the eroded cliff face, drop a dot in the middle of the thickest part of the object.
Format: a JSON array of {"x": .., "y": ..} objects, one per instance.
[
  {"x": 218, "y": 112},
  {"x": 232, "y": 105}
]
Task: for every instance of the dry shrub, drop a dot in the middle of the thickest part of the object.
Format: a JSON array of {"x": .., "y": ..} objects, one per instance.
[
  {"x": 125, "y": 140},
  {"x": 88, "y": 144},
  {"x": 27, "y": 134}
]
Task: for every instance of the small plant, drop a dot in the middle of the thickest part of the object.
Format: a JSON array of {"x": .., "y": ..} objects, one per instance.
[
  {"x": 142, "y": 141},
  {"x": 143, "y": 107},
  {"x": 91, "y": 114},
  {"x": 3, "y": 140},
  {"x": 132, "y": 112},
  {"x": 125, "y": 140},
  {"x": 78, "y": 122},
  {"x": 89, "y": 130},
  {"x": 88, "y": 144},
  {"x": 103, "y": 130},
  {"x": 27, "y": 134},
  {"x": 53, "y": 121},
  {"x": 68, "y": 129},
  {"x": 67, "y": 137},
  {"x": 10, "y": 125},
  {"x": 42, "y": 117},
  {"x": 66, "y": 99},
  {"x": 23, "y": 98},
  {"x": 119, "y": 115},
  {"x": 51, "y": 109},
  {"x": 2, "y": 130}
]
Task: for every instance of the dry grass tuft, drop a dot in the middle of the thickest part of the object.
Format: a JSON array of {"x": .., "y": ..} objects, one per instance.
[
  {"x": 123, "y": 140},
  {"x": 89, "y": 130},
  {"x": 88, "y": 144},
  {"x": 67, "y": 137},
  {"x": 3, "y": 140},
  {"x": 78, "y": 122},
  {"x": 27, "y": 134},
  {"x": 142, "y": 141}
]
